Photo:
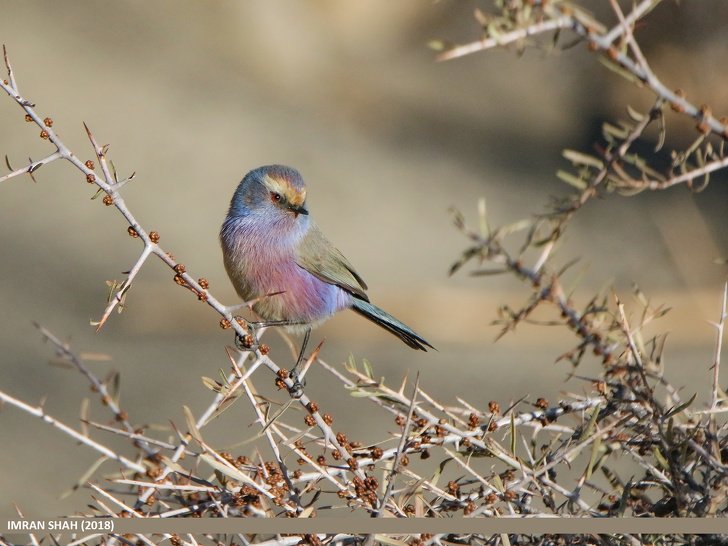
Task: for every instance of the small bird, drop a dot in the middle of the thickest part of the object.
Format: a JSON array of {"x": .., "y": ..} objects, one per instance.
[{"x": 277, "y": 257}]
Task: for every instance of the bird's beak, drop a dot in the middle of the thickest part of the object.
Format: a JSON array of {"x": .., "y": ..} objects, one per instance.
[{"x": 298, "y": 209}]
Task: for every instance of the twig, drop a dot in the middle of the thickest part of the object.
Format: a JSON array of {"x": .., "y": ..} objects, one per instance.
[
  {"x": 99, "y": 386},
  {"x": 379, "y": 511},
  {"x": 565, "y": 21},
  {"x": 603, "y": 42},
  {"x": 31, "y": 167},
  {"x": 292, "y": 493},
  {"x": 39, "y": 412},
  {"x": 719, "y": 326},
  {"x": 108, "y": 185}
]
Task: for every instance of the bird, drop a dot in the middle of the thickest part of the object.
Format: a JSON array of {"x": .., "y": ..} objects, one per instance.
[{"x": 277, "y": 257}]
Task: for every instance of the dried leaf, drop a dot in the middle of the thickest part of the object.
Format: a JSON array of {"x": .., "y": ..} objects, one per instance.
[
  {"x": 387, "y": 539},
  {"x": 612, "y": 130},
  {"x": 85, "y": 477},
  {"x": 192, "y": 425},
  {"x": 211, "y": 384},
  {"x": 225, "y": 469},
  {"x": 464, "y": 258}
]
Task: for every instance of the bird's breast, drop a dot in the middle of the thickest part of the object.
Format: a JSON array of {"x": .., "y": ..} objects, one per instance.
[{"x": 262, "y": 265}]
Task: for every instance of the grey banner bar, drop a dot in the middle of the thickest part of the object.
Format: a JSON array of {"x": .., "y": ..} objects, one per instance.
[{"x": 394, "y": 526}]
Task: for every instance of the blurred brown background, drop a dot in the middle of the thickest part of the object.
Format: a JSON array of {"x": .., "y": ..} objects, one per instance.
[{"x": 191, "y": 95}]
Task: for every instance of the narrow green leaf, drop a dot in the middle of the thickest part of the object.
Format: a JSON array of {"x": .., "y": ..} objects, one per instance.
[
  {"x": 660, "y": 458},
  {"x": 572, "y": 180},
  {"x": 587, "y": 431},
  {"x": 596, "y": 448},
  {"x": 578, "y": 158},
  {"x": 515, "y": 227},
  {"x": 616, "y": 68},
  {"x": 634, "y": 114},
  {"x": 350, "y": 364},
  {"x": 114, "y": 386},
  {"x": 368, "y": 370},
  {"x": 680, "y": 408},
  {"x": 85, "y": 477},
  {"x": 440, "y": 469},
  {"x": 483, "y": 215},
  {"x": 488, "y": 272}
]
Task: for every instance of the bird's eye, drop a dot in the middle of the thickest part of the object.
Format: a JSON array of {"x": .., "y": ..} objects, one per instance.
[{"x": 275, "y": 197}]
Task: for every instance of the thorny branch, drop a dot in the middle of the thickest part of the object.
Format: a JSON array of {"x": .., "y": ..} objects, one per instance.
[
  {"x": 632, "y": 381},
  {"x": 549, "y": 459},
  {"x": 111, "y": 187},
  {"x": 513, "y": 25},
  {"x": 518, "y": 21}
]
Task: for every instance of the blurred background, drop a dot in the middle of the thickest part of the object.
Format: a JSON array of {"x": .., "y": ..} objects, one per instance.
[{"x": 192, "y": 95}]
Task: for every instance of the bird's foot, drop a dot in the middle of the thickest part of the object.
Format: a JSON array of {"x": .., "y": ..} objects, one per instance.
[
  {"x": 244, "y": 343},
  {"x": 296, "y": 390}
]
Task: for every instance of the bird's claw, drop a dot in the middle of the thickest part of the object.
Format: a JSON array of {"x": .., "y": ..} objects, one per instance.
[
  {"x": 295, "y": 390},
  {"x": 244, "y": 343}
]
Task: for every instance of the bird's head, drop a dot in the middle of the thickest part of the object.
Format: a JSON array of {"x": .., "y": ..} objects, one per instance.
[{"x": 273, "y": 191}]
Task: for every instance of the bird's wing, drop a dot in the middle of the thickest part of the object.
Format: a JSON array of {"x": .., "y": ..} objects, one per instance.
[{"x": 320, "y": 258}]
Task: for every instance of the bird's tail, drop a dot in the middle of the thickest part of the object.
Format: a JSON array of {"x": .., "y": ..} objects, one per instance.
[{"x": 391, "y": 324}]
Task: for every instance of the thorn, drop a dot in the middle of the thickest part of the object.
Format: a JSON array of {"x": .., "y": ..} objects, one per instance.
[
  {"x": 311, "y": 360},
  {"x": 234, "y": 362},
  {"x": 31, "y": 168},
  {"x": 119, "y": 184},
  {"x": 316, "y": 351},
  {"x": 99, "y": 324},
  {"x": 11, "y": 77},
  {"x": 404, "y": 382},
  {"x": 97, "y": 150}
]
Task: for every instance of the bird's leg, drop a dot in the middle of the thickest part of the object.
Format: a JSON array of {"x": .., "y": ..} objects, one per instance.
[
  {"x": 297, "y": 389},
  {"x": 255, "y": 325},
  {"x": 306, "y": 335}
]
